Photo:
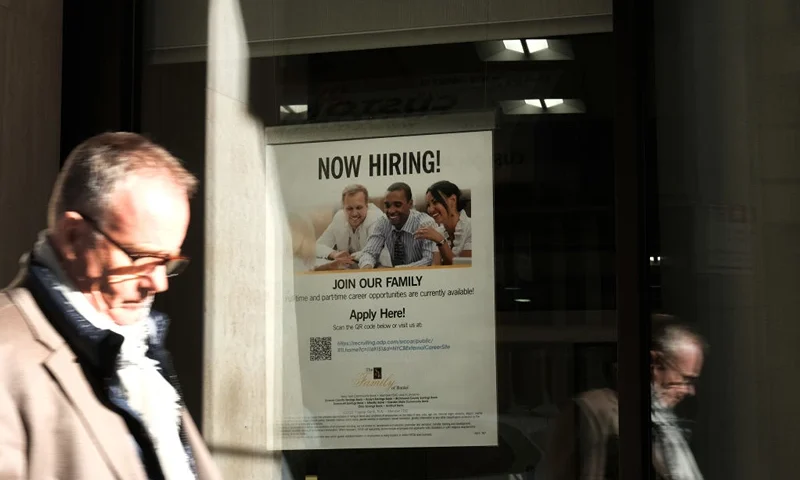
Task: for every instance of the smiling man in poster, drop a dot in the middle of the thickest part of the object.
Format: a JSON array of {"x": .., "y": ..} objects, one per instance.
[
  {"x": 396, "y": 352},
  {"x": 351, "y": 227},
  {"x": 396, "y": 231}
]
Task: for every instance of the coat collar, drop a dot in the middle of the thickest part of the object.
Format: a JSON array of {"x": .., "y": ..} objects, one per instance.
[
  {"x": 105, "y": 426},
  {"x": 82, "y": 357}
]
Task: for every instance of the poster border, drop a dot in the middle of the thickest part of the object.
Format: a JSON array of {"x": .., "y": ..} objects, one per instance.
[
  {"x": 381, "y": 128},
  {"x": 482, "y": 123}
]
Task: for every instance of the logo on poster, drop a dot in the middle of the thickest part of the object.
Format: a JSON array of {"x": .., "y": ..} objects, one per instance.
[{"x": 373, "y": 378}]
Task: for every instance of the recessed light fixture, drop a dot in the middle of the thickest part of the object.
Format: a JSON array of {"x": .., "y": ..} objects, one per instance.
[
  {"x": 547, "y": 106},
  {"x": 294, "y": 108},
  {"x": 522, "y": 300},
  {"x": 514, "y": 45},
  {"x": 536, "y": 45},
  {"x": 525, "y": 49},
  {"x": 293, "y": 113}
]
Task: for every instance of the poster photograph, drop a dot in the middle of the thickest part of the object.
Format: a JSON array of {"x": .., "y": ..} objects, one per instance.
[{"x": 392, "y": 289}]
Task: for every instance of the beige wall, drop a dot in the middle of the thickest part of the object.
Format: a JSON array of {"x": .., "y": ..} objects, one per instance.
[{"x": 30, "y": 109}]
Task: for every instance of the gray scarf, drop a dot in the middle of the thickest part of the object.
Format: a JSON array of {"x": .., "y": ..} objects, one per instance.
[{"x": 671, "y": 444}]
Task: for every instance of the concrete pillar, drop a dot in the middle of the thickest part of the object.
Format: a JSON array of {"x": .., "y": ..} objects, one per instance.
[
  {"x": 727, "y": 75},
  {"x": 247, "y": 352},
  {"x": 30, "y": 109}
]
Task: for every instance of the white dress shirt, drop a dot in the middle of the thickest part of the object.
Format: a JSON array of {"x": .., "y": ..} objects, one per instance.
[{"x": 340, "y": 236}]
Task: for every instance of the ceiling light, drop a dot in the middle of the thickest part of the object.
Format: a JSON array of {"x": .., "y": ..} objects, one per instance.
[
  {"x": 525, "y": 50},
  {"x": 522, "y": 300},
  {"x": 294, "y": 108},
  {"x": 536, "y": 44},
  {"x": 514, "y": 45},
  {"x": 293, "y": 113},
  {"x": 551, "y": 106}
]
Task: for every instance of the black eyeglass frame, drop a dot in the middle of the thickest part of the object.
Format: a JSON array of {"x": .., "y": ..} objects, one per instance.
[
  {"x": 175, "y": 264},
  {"x": 686, "y": 380}
]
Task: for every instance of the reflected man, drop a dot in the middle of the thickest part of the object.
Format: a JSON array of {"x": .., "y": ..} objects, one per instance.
[
  {"x": 395, "y": 232},
  {"x": 585, "y": 439}
]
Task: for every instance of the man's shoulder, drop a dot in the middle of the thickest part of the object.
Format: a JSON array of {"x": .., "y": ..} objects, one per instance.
[
  {"x": 13, "y": 325},
  {"x": 381, "y": 221},
  {"x": 374, "y": 214},
  {"x": 421, "y": 219},
  {"x": 339, "y": 221},
  {"x": 338, "y": 216},
  {"x": 601, "y": 402},
  {"x": 16, "y": 331}
]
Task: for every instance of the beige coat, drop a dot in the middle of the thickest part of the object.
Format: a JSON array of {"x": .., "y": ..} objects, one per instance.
[
  {"x": 585, "y": 441},
  {"x": 52, "y": 425}
]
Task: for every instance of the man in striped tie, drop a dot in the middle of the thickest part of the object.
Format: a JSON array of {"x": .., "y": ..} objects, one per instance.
[{"x": 395, "y": 231}]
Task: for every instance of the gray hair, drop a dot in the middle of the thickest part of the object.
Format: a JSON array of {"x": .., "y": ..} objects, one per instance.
[
  {"x": 668, "y": 334},
  {"x": 353, "y": 189},
  {"x": 96, "y": 167}
]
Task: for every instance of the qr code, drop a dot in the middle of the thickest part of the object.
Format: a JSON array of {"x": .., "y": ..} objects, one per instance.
[{"x": 320, "y": 348}]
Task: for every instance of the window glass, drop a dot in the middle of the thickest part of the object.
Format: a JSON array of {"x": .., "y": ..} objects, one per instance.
[{"x": 553, "y": 209}]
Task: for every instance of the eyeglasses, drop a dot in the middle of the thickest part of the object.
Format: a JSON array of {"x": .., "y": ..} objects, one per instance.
[
  {"x": 686, "y": 380},
  {"x": 143, "y": 263}
]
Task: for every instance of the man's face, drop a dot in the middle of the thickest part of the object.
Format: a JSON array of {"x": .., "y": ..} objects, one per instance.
[
  {"x": 355, "y": 207},
  {"x": 148, "y": 215},
  {"x": 398, "y": 208},
  {"x": 674, "y": 376}
]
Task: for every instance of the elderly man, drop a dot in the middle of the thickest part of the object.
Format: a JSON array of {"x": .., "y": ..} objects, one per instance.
[
  {"x": 584, "y": 443},
  {"x": 396, "y": 232},
  {"x": 347, "y": 234},
  {"x": 87, "y": 389}
]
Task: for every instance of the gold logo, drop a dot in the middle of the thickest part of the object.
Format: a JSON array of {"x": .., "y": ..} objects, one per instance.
[{"x": 366, "y": 379}]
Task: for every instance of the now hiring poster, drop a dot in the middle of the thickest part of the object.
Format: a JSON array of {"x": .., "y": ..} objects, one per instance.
[{"x": 392, "y": 289}]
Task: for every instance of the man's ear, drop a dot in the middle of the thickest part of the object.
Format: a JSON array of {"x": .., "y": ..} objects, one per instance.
[
  {"x": 67, "y": 234},
  {"x": 656, "y": 358}
]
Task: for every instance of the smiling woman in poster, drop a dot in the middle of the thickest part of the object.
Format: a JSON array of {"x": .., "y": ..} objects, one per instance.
[{"x": 453, "y": 234}]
